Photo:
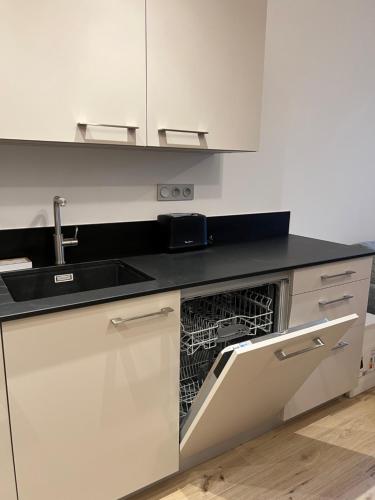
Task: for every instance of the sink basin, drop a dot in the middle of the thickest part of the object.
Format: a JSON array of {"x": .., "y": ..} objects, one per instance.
[{"x": 70, "y": 278}]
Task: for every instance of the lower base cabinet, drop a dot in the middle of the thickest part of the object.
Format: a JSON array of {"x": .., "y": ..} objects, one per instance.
[
  {"x": 94, "y": 406},
  {"x": 336, "y": 375},
  {"x": 7, "y": 480}
]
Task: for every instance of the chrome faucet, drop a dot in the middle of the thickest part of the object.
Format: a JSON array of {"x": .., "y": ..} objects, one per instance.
[{"x": 58, "y": 237}]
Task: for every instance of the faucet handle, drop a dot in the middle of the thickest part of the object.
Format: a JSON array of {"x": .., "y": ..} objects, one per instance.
[{"x": 71, "y": 242}]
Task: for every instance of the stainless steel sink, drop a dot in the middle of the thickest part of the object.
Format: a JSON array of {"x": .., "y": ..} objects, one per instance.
[{"x": 70, "y": 278}]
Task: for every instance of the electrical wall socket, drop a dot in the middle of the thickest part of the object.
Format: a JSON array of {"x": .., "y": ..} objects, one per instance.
[{"x": 175, "y": 192}]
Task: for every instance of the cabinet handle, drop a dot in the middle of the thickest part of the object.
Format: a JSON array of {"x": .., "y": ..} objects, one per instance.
[
  {"x": 329, "y": 276},
  {"x": 131, "y": 132},
  {"x": 199, "y": 132},
  {"x": 282, "y": 355},
  {"x": 85, "y": 125},
  {"x": 341, "y": 345},
  {"x": 164, "y": 142},
  {"x": 164, "y": 311},
  {"x": 333, "y": 301}
]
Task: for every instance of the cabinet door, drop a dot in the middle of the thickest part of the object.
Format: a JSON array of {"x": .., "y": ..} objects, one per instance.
[
  {"x": 94, "y": 407},
  {"x": 205, "y": 72},
  {"x": 7, "y": 479},
  {"x": 336, "y": 375},
  {"x": 251, "y": 382},
  {"x": 65, "y": 62}
]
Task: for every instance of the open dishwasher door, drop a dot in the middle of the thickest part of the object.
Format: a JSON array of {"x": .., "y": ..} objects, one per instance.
[{"x": 251, "y": 382}]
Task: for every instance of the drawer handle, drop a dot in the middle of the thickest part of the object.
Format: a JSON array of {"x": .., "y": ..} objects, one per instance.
[
  {"x": 282, "y": 355},
  {"x": 164, "y": 311},
  {"x": 341, "y": 345},
  {"x": 329, "y": 276},
  {"x": 334, "y": 301}
]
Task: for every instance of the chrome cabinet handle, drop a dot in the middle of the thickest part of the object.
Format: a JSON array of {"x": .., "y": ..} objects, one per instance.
[
  {"x": 131, "y": 132},
  {"x": 131, "y": 127},
  {"x": 199, "y": 132},
  {"x": 340, "y": 345},
  {"x": 282, "y": 355},
  {"x": 329, "y": 276},
  {"x": 333, "y": 301},
  {"x": 201, "y": 137},
  {"x": 164, "y": 311}
]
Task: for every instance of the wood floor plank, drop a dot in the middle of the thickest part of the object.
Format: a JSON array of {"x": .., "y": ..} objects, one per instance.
[{"x": 326, "y": 454}]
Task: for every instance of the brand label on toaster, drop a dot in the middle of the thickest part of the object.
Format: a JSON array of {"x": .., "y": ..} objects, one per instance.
[
  {"x": 187, "y": 242},
  {"x": 63, "y": 278}
]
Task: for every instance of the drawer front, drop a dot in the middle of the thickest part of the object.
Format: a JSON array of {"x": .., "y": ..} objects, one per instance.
[
  {"x": 330, "y": 303},
  {"x": 336, "y": 375},
  {"x": 327, "y": 275}
]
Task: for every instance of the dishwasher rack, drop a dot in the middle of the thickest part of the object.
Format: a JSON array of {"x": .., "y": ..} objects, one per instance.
[
  {"x": 193, "y": 371},
  {"x": 219, "y": 319}
]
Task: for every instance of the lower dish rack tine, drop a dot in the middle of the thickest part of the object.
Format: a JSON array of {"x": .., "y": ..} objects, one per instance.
[
  {"x": 193, "y": 371},
  {"x": 216, "y": 319}
]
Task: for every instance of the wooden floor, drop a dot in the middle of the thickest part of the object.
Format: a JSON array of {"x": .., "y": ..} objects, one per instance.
[{"x": 328, "y": 453}]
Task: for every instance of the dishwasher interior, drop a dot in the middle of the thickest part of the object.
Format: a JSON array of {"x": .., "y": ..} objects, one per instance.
[{"x": 213, "y": 321}]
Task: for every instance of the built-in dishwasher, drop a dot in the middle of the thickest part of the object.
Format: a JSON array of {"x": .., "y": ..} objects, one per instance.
[{"x": 239, "y": 364}]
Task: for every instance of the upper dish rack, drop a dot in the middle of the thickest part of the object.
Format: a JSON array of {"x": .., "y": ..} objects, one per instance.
[{"x": 207, "y": 321}]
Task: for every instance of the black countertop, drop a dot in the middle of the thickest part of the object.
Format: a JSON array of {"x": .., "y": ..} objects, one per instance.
[{"x": 183, "y": 270}]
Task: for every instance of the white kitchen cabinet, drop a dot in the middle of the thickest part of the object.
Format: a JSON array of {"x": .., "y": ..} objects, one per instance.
[
  {"x": 339, "y": 294},
  {"x": 77, "y": 72},
  {"x": 205, "y": 72},
  {"x": 336, "y": 375},
  {"x": 65, "y": 62},
  {"x": 7, "y": 480},
  {"x": 94, "y": 406}
]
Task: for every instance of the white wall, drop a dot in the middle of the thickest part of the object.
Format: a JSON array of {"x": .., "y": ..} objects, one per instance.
[
  {"x": 322, "y": 67},
  {"x": 317, "y": 156}
]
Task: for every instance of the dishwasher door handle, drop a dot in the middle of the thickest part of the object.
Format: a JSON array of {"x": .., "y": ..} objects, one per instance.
[
  {"x": 164, "y": 311},
  {"x": 282, "y": 355}
]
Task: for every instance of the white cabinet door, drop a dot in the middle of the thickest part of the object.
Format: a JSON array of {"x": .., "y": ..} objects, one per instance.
[
  {"x": 65, "y": 62},
  {"x": 205, "y": 72},
  {"x": 336, "y": 375},
  {"x": 94, "y": 407},
  {"x": 251, "y": 382},
  {"x": 7, "y": 479}
]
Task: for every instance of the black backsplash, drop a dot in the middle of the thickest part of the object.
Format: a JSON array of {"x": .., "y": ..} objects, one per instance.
[{"x": 122, "y": 239}]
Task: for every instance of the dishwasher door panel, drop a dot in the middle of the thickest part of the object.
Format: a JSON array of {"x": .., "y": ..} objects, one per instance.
[{"x": 251, "y": 382}]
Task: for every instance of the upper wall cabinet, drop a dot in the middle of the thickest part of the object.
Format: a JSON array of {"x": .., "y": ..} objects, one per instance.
[
  {"x": 65, "y": 62},
  {"x": 204, "y": 72},
  {"x": 76, "y": 71}
]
